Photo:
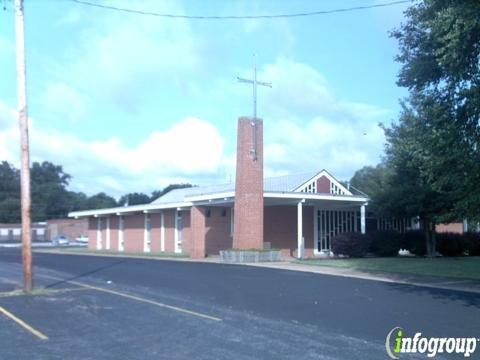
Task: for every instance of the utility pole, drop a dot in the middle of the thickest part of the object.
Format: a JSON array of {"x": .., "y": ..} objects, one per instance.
[{"x": 25, "y": 156}]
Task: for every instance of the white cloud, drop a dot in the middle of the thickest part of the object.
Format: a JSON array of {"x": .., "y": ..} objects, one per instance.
[
  {"x": 308, "y": 128},
  {"x": 190, "y": 149},
  {"x": 118, "y": 56},
  {"x": 62, "y": 100}
]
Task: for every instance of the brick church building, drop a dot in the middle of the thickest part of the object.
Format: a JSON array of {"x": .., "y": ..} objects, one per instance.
[{"x": 298, "y": 214}]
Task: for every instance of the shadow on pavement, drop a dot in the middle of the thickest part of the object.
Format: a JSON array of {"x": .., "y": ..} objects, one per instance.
[{"x": 94, "y": 271}]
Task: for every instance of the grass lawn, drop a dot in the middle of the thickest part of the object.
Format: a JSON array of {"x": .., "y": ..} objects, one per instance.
[
  {"x": 113, "y": 253},
  {"x": 459, "y": 267}
]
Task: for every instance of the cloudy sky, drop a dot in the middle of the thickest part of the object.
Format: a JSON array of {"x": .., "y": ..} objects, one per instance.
[{"x": 128, "y": 103}]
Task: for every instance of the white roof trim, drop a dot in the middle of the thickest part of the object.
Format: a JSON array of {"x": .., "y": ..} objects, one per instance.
[
  {"x": 314, "y": 196},
  {"x": 212, "y": 196},
  {"x": 329, "y": 177},
  {"x": 128, "y": 209}
]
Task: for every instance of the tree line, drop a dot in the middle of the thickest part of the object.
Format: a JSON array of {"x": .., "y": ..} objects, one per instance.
[
  {"x": 51, "y": 197},
  {"x": 431, "y": 166}
]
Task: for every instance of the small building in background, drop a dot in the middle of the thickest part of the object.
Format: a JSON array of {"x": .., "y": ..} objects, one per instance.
[
  {"x": 72, "y": 229},
  {"x": 13, "y": 232}
]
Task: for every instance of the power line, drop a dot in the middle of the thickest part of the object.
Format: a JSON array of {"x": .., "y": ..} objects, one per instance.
[{"x": 240, "y": 17}]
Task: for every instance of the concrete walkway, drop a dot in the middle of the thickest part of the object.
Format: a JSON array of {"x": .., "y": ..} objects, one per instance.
[{"x": 472, "y": 286}]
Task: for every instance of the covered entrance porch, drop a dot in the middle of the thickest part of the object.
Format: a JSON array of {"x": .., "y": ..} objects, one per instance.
[{"x": 302, "y": 225}]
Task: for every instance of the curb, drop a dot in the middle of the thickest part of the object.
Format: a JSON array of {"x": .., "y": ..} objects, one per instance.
[{"x": 289, "y": 267}]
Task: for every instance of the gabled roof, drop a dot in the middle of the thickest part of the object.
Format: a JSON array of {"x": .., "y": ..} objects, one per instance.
[
  {"x": 285, "y": 183},
  {"x": 324, "y": 173},
  {"x": 279, "y": 187}
]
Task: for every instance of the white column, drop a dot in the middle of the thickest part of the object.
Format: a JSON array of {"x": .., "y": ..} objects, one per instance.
[
  {"x": 107, "y": 246},
  {"x": 99, "y": 233},
  {"x": 177, "y": 248},
  {"x": 362, "y": 219},
  {"x": 120, "y": 233},
  {"x": 300, "y": 242},
  {"x": 162, "y": 232},
  {"x": 146, "y": 233},
  {"x": 315, "y": 230}
]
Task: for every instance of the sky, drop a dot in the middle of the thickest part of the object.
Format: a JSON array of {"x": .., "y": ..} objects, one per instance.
[{"x": 132, "y": 103}]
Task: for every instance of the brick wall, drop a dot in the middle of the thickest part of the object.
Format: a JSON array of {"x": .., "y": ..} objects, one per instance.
[
  {"x": 452, "y": 227},
  {"x": 133, "y": 233},
  {"x": 280, "y": 228},
  {"x": 92, "y": 233},
  {"x": 114, "y": 233},
  {"x": 186, "y": 233},
  {"x": 249, "y": 187},
  {"x": 323, "y": 185},
  {"x": 199, "y": 229},
  {"x": 155, "y": 232},
  {"x": 169, "y": 218},
  {"x": 71, "y": 228},
  {"x": 218, "y": 235}
]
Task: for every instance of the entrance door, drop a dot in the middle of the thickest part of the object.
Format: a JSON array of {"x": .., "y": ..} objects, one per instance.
[
  {"x": 178, "y": 231},
  {"x": 329, "y": 223}
]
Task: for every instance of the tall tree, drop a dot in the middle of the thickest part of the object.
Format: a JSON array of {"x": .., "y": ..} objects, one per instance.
[
  {"x": 440, "y": 52},
  {"x": 157, "y": 193},
  {"x": 9, "y": 193},
  {"x": 134, "y": 199},
  {"x": 100, "y": 201},
  {"x": 50, "y": 197}
]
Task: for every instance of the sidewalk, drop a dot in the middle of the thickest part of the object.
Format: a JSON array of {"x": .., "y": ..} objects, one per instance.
[{"x": 435, "y": 282}]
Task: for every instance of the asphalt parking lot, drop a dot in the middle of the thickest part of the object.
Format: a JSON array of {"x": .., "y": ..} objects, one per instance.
[{"x": 110, "y": 308}]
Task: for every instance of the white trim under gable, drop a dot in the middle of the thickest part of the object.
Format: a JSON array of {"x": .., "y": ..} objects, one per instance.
[{"x": 311, "y": 185}]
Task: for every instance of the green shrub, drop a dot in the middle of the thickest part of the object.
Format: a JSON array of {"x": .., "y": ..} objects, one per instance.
[
  {"x": 472, "y": 240},
  {"x": 351, "y": 244},
  {"x": 451, "y": 244},
  {"x": 385, "y": 243},
  {"x": 415, "y": 242}
]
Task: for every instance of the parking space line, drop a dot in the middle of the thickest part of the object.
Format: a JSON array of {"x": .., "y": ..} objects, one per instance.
[
  {"x": 147, "y": 301},
  {"x": 23, "y": 324},
  {"x": 137, "y": 298}
]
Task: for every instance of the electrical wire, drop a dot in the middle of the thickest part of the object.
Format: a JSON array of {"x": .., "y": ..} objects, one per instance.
[{"x": 240, "y": 17}]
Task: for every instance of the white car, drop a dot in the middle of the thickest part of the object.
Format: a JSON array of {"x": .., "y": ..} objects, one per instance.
[{"x": 82, "y": 239}]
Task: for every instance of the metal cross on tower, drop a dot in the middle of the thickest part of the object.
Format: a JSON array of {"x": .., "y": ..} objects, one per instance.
[{"x": 254, "y": 83}]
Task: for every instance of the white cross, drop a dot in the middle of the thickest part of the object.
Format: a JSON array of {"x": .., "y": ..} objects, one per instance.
[{"x": 254, "y": 83}]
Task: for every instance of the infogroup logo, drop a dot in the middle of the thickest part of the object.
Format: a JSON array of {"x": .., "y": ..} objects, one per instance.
[{"x": 397, "y": 343}]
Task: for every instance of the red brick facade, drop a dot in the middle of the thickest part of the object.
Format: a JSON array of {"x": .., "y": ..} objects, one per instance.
[
  {"x": 208, "y": 229},
  {"x": 199, "y": 229},
  {"x": 71, "y": 228},
  {"x": 219, "y": 236},
  {"x": 248, "y": 215},
  {"x": 281, "y": 229},
  {"x": 323, "y": 185}
]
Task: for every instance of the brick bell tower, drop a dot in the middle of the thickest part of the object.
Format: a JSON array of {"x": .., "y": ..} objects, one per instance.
[{"x": 248, "y": 208}]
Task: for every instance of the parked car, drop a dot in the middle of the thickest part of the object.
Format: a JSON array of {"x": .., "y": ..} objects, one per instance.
[
  {"x": 82, "y": 239},
  {"x": 60, "y": 240}
]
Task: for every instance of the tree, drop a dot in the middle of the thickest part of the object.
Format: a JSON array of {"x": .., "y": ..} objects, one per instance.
[
  {"x": 50, "y": 197},
  {"x": 9, "y": 193},
  {"x": 439, "y": 53},
  {"x": 134, "y": 199},
  {"x": 411, "y": 191},
  {"x": 157, "y": 193},
  {"x": 100, "y": 201},
  {"x": 373, "y": 181}
]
